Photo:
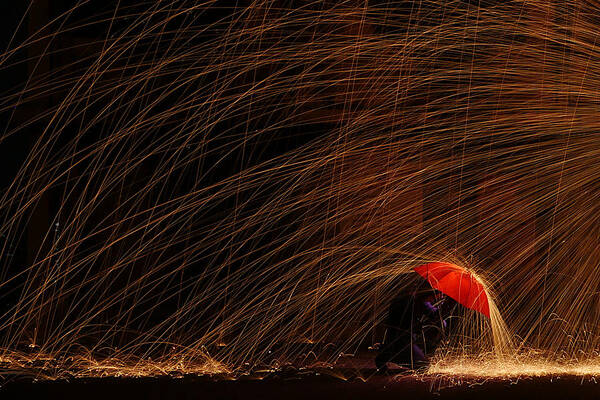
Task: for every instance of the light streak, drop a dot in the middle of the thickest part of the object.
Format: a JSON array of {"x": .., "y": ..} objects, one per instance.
[{"x": 431, "y": 131}]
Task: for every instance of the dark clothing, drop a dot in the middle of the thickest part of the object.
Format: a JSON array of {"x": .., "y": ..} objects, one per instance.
[{"x": 416, "y": 324}]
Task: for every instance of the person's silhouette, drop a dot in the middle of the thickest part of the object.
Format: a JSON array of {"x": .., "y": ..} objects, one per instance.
[{"x": 416, "y": 323}]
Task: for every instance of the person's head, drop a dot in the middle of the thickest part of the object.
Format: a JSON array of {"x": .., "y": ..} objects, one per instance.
[{"x": 428, "y": 293}]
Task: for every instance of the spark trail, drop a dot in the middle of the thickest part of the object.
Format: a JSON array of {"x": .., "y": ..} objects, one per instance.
[{"x": 212, "y": 187}]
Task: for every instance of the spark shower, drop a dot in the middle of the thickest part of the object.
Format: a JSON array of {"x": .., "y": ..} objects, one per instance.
[{"x": 223, "y": 186}]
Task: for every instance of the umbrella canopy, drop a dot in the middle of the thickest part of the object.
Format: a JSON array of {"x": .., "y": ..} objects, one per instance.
[{"x": 458, "y": 283}]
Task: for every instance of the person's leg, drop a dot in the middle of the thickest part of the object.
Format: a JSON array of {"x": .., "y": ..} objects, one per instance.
[
  {"x": 381, "y": 361},
  {"x": 401, "y": 350},
  {"x": 418, "y": 355},
  {"x": 388, "y": 350}
]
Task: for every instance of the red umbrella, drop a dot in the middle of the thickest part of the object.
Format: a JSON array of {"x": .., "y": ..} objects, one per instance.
[{"x": 458, "y": 283}]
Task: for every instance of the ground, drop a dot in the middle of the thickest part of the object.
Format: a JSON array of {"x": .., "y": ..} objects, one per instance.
[{"x": 304, "y": 385}]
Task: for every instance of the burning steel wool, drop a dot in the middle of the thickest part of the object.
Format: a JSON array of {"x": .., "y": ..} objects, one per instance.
[{"x": 227, "y": 187}]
